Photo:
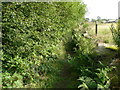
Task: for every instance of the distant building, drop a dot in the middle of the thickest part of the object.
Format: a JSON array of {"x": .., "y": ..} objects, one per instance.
[
  {"x": 104, "y": 21},
  {"x": 112, "y": 20},
  {"x": 109, "y": 20}
]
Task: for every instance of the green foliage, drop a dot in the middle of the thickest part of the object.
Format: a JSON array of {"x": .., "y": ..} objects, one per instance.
[
  {"x": 92, "y": 74},
  {"x": 116, "y": 35},
  {"x": 32, "y": 35},
  {"x": 14, "y": 81},
  {"x": 99, "y": 80},
  {"x": 92, "y": 77}
]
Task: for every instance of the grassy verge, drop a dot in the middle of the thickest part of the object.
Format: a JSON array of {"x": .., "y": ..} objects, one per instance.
[{"x": 104, "y": 33}]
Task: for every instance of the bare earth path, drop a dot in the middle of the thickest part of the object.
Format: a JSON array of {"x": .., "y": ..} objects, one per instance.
[{"x": 67, "y": 77}]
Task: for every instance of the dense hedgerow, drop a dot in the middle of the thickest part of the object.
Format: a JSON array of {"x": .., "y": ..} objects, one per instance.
[{"x": 32, "y": 36}]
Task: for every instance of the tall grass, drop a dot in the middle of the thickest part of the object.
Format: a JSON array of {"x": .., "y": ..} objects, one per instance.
[{"x": 104, "y": 33}]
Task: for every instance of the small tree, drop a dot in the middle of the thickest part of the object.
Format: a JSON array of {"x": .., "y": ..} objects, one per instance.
[
  {"x": 93, "y": 20},
  {"x": 87, "y": 19},
  {"x": 99, "y": 19}
]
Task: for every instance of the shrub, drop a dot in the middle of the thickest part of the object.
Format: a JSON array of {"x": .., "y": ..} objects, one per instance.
[{"x": 116, "y": 35}]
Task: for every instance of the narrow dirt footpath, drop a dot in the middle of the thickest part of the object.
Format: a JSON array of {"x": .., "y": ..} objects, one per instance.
[{"x": 67, "y": 77}]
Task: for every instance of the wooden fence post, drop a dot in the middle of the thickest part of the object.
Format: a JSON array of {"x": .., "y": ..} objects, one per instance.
[{"x": 96, "y": 28}]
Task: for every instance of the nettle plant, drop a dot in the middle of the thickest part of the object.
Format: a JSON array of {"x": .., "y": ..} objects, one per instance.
[{"x": 92, "y": 77}]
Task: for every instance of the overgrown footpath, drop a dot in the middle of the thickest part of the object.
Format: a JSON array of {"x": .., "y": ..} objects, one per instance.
[
  {"x": 44, "y": 48},
  {"x": 105, "y": 55}
]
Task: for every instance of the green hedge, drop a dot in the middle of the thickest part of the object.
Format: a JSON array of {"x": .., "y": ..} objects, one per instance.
[{"x": 32, "y": 35}]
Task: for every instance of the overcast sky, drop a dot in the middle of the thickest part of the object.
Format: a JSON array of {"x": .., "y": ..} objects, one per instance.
[{"x": 106, "y": 9}]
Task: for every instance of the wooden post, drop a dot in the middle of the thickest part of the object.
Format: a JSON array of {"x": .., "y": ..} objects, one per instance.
[{"x": 96, "y": 28}]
